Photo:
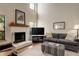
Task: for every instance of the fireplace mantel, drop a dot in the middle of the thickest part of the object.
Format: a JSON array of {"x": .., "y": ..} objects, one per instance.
[
  {"x": 19, "y": 25},
  {"x": 18, "y": 29}
]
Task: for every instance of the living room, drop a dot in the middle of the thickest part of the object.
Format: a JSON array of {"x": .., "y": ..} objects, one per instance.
[{"x": 35, "y": 29}]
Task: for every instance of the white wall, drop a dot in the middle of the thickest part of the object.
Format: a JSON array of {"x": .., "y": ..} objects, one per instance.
[
  {"x": 9, "y": 11},
  {"x": 49, "y": 13}
]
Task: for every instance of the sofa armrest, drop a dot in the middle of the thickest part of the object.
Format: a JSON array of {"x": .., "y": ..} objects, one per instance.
[{"x": 5, "y": 46}]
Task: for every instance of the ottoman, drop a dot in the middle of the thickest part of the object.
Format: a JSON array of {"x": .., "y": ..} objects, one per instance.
[
  {"x": 53, "y": 48},
  {"x": 60, "y": 50}
]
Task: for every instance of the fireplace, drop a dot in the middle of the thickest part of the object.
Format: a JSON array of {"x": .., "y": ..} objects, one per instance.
[{"x": 19, "y": 37}]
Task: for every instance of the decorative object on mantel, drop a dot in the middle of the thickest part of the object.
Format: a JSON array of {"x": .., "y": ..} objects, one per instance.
[
  {"x": 59, "y": 25},
  {"x": 19, "y": 17},
  {"x": 11, "y": 23}
]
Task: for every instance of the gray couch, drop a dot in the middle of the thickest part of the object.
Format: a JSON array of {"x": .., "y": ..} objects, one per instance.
[{"x": 69, "y": 45}]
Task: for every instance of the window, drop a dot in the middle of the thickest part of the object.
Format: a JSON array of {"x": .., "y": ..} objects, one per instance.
[
  {"x": 2, "y": 27},
  {"x": 32, "y": 6}
]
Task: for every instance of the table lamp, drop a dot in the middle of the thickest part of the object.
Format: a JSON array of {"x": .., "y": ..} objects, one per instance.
[{"x": 77, "y": 28}]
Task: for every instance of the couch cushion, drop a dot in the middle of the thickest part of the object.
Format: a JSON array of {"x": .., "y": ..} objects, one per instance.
[
  {"x": 62, "y": 36},
  {"x": 55, "y": 35},
  {"x": 59, "y": 35}
]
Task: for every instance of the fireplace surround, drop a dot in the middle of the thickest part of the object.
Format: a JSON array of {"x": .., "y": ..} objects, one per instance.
[{"x": 19, "y": 37}]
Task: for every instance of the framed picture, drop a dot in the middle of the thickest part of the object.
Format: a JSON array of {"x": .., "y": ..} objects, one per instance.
[
  {"x": 59, "y": 25},
  {"x": 19, "y": 17}
]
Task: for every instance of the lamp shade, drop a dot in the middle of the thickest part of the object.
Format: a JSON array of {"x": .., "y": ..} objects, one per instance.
[{"x": 76, "y": 26}]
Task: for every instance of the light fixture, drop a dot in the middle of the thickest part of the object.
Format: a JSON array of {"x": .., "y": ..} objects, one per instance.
[{"x": 77, "y": 28}]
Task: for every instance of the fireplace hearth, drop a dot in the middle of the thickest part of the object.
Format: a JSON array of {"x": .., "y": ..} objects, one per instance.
[{"x": 19, "y": 37}]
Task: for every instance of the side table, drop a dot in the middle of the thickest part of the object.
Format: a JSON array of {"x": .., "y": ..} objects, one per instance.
[{"x": 77, "y": 40}]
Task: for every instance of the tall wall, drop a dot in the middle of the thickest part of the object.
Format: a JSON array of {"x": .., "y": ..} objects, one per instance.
[
  {"x": 9, "y": 11},
  {"x": 50, "y": 13}
]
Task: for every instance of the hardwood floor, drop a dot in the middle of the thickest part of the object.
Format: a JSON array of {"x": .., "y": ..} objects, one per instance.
[
  {"x": 6, "y": 52},
  {"x": 35, "y": 50}
]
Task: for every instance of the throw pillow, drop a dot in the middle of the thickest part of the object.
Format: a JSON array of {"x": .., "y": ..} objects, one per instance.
[
  {"x": 71, "y": 35},
  {"x": 49, "y": 35}
]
